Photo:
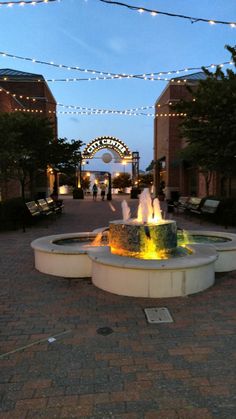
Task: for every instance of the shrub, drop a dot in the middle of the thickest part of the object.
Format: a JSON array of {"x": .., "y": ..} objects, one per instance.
[
  {"x": 78, "y": 193},
  {"x": 13, "y": 214},
  {"x": 226, "y": 212}
]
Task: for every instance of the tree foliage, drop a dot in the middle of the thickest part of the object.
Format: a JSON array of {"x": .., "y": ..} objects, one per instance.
[
  {"x": 65, "y": 157},
  {"x": 210, "y": 125},
  {"x": 122, "y": 181},
  {"x": 24, "y": 147},
  {"x": 145, "y": 179},
  {"x": 28, "y": 146}
]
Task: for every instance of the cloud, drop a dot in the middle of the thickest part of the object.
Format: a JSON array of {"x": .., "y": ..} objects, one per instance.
[
  {"x": 117, "y": 45},
  {"x": 73, "y": 119},
  {"x": 84, "y": 45}
]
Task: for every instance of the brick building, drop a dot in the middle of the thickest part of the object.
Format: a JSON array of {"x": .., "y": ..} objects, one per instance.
[
  {"x": 26, "y": 92},
  {"x": 169, "y": 168}
]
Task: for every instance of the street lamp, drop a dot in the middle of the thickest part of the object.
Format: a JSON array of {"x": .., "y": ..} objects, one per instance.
[
  {"x": 78, "y": 192},
  {"x": 124, "y": 164},
  {"x": 109, "y": 195}
]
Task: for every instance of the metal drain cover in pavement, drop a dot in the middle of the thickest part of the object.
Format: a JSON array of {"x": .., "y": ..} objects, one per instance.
[
  {"x": 105, "y": 331},
  {"x": 158, "y": 315}
]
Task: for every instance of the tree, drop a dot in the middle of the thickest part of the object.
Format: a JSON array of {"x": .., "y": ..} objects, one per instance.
[
  {"x": 146, "y": 180},
  {"x": 122, "y": 181},
  {"x": 210, "y": 125},
  {"x": 65, "y": 156},
  {"x": 24, "y": 147}
]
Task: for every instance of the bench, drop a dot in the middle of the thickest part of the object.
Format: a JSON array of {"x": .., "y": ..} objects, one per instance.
[
  {"x": 38, "y": 209},
  {"x": 56, "y": 206},
  {"x": 210, "y": 207},
  {"x": 44, "y": 207},
  {"x": 194, "y": 205},
  {"x": 33, "y": 209},
  {"x": 181, "y": 204}
]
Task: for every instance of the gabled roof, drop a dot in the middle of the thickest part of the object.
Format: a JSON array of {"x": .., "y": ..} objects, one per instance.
[
  {"x": 191, "y": 78},
  {"x": 194, "y": 76},
  {"x": 17, "y": 74}
]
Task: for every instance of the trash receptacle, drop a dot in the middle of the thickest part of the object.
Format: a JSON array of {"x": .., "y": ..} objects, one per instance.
[
  {"x": 134, "y": 193},
  {"x": 170, "y": 206}
]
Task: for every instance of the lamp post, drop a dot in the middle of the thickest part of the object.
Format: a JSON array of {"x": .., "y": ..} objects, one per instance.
[
  {"x": 78, "y": 192},
  {"x": 109, "y": 194}
]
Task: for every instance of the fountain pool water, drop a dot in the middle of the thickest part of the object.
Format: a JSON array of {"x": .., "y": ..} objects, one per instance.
[{"x": 143, "y": 257}]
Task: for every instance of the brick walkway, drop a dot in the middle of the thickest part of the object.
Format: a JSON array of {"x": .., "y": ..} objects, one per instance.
[{"x": 181, "y": 370}]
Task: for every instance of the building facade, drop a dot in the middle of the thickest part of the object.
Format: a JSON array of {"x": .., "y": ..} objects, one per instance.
[
  {"x": 172, "y": 173},
  {"x": 26, "y": 92}
]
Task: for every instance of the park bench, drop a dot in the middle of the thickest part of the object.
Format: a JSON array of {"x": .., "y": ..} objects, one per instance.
[
  {"x": 193, "y": 205},
  {"x": 33, "y": 211},
  {"x": 181, "y": 204},
  {"x": 33, "y": 208},
  {"x": 210, "y": 207},
  {"x": 44, "y": 207},
  {"x": 205, "y": 208},
  {"x": 56, "y": 206}
]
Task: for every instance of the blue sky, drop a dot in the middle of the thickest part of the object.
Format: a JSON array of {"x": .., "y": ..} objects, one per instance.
[{"x": 93, "y": 35}]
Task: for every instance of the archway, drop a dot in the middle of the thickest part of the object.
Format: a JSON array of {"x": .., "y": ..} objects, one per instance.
[
  {"x": 118, "y": 149},
  {"x": 111, "y": 143}
]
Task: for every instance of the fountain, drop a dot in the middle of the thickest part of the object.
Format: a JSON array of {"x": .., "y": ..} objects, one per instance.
[{"x": 143, "y": 257}]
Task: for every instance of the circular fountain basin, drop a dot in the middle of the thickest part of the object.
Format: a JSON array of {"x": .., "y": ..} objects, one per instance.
[
  {"x": 72, "y": 256},
  {"x": 223, "y": 242},
  {"x": 64, "y": 255},
  {"x": 172, "y": 277}
]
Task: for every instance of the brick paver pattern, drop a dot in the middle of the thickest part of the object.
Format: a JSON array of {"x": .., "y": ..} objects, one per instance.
[{"x": 184, "y": 369}]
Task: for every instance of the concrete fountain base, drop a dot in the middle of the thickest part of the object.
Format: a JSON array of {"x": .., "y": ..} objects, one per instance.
[
  {"x": 64, "y": 261},
  {"x": 226, "y": 251},
  {"x": 174, "y": 277},
  {"x": 136, "y": 277}
]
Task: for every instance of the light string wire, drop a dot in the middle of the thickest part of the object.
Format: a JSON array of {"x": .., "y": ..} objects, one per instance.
[
  {"x": 158, "y": 12},
  {"x": 107, "y": 112},
  {"x": 87, "y": 111},
  {"x": 110, "y": 75},
  {"x": 84, "y": 109},
  {"x": 26, "y": 2}
]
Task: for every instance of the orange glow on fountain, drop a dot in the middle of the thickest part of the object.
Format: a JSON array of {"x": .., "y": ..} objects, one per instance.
[{"x": 146, "y": 237}]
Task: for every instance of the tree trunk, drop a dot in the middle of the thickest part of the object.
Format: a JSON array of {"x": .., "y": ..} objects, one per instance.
[{"x": 208, "y": 177}]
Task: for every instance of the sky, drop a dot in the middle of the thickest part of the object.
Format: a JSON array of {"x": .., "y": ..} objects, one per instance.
[{"x": 91, "y": 34}]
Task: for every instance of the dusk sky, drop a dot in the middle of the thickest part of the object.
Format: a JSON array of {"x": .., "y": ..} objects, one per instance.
[{"x": 94, "y": 35}]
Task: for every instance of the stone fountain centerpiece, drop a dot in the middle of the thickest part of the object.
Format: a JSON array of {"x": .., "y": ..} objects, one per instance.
[{"x": 148, "y": 236}]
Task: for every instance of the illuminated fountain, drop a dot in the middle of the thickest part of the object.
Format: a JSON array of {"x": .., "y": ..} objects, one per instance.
[
  {"x": 143, "y": 257},
  {"x": 148, "y": 236}
]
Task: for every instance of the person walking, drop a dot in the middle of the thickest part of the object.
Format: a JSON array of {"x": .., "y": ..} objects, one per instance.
[
  {"x": 103, "y": 191},
  {"x": 95, "y": 192}
]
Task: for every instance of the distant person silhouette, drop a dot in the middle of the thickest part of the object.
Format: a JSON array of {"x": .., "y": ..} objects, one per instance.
[
  {"x": 103, "y": 191},
  {"x": 95, "y": 192}
]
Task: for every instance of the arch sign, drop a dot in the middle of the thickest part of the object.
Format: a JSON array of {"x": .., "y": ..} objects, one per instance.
[{"x": 107, "y": 142}]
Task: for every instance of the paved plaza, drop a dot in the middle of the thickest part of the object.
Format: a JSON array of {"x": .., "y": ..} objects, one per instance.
[{"x": 185, "y": 369}]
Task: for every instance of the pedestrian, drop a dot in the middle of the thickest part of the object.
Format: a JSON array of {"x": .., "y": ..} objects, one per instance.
[
  {"x": 95, "y": 192},
  {"x": 103, "y": 191}
]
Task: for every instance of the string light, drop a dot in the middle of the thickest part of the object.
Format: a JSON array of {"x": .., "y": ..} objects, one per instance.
[
  {"x": 84, "y": 109},
  {"x": 36, "y": 98},
  {"x": 26, "y": 2},
  {"x": 192, "y": 19},
  {"x": 105, "y": 75},
  {"x": 157, "y": 115},
  {"x": 101, "y": 112}
]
